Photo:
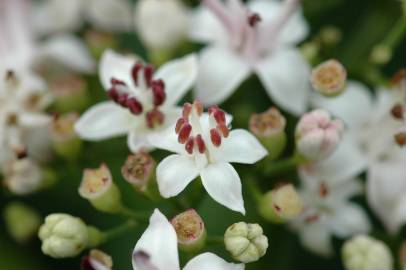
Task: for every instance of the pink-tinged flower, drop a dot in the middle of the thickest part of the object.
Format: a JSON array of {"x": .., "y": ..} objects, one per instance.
[
  {"x": 327, "y": 209},
  {"x": 143, "y": 102},
  {"x": 204, "y": 147},
  {"x": 317, "y": 135},
  {"x": 151, "y": 253},
  {"x": 255, "y": 38}
]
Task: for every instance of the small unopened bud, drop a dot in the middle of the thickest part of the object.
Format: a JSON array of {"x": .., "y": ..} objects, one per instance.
[
  {"x": 317, "y": 135},
  {"x": 65, "y": 140},
  {"x": 281, "y": 204},
  {"x": 329, "y": 78},
  {"x": 269, "y": 127},
  {"x": 96, "y": 260},
  {"x": 190, "y": 230},
  {"x": 98, "y": 187},
  {"x": 21, "y": 221},
  {"x": 246, "y": 242},
  {"x": 310, "y": 50},
  {"x": 363, "y": 252},
  {"x": 23, "y": 176},
  {"x": 330, "y": 35},
  {"x": 400, "y": 139},
  {"x": 63, "y": 236},
  {"x": 69, "y": 91},
  {"x": 99, "y": 41},
  {"x": 381, "y": 54}
]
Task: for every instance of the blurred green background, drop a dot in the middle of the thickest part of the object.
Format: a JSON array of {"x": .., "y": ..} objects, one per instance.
[{"x": 363, "y": 23}]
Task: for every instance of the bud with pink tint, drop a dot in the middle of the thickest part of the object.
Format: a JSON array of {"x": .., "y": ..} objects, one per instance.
[
  {"x": 190, "y": 229},
  {"x": 329, "y": 78},
  {"x": 318, "y": 135}
]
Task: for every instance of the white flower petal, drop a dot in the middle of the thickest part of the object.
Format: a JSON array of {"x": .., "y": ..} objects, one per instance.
[
  {"x": 69, "y": 51},
  {"x": 223, "y": 184},
  {"x": 33, "y": 119},
  {"x": 104, "y": 120},
  {"x": 114, "y": 65},
  {"x": 110, "y": 15},
  {"x": 174, "y": 173},
  {"x": 316, "y": 238},
  {"x": 159, "y": 242},
  {"x": 166, "y": 139},
  {"x": 353, "y": 106},
  {"x": 241, "y": 147},
  {"x": 98, "y": 265},
  {"x": 221, "y": 71},
  {"x": 179, "y": 76},
  {"x": 210, "y": 261},
  {"x": 285, "y": 75},
  {"x": 137, "y": 142},
  {"x": 349, "y": 219}
]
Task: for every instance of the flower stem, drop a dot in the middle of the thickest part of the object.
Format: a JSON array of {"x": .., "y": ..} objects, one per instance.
[
  {"x": 254, "y": 189},
  {"x": 215, "y": 240},
  {"x": 395, "y": 36},
  {"x": 284, "y": 165},
  {"x": 119, "y": 230},
  {"x": 142, "y": 217}
]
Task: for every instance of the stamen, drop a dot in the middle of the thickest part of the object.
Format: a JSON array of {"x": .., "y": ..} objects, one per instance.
[
  {"x": 134, "y": 106},
  {"x": 323, "y": 190},
  {"x": 189, "y": 145},
  {"x": 135, "y": 72},
  {"x": 184, "y": 133},
  {"x": 198, "y": 107},
  {"x": 254, "y": 19},
  {"x": 397, "y": 112},
  {"x": 215, "y": 137},
  {"x": 122, "y": 99},
  {"x": 158, "y": 90},
  {"x": 148, "y": 72},
  {"x": 400, "y": 139},
  {"x": 179, "y": 124},
  {"x": 201, "y": 146},
  {"x": 115, "y": 82},
  {"x": 113, "y": 94},
  {"x": 218, "y": 114},
  {"x": 224, "y": 130},
  {"x": 154, "y": 117},
  {"x": 187, "y": 108}
]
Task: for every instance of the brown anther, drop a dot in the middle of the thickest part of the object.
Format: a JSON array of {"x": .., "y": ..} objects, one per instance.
[
  {"x": 21, "y": 153},
  {"x": 187, "y": 108},
  {"x": 134, "y": 106},
  {"x": 154, "y": 118},
  {"x": 223, "y": 129},
  {"x": 201, "y": 146},
  {"x": 189, "y": 145},
  {"x": 179, "y": 124},
  {"x": 218, "y": 115},
  {"x": 397, "y": 112},
  {"x": 158, "y": 90},
  {"x": 400, "y": 138},
  {"x": 148, "y": 72},
  {"x": 135, "y": 72},
  {"x": 254, "y": 19},
  {"x": 12, "y": 119},
  {"x": 398, "y": 78},
  {"x": 184, "y": 133},
  {"x": 277, "y": 208},
  {"x": 323, "y": 190},
  {"x": 215, "y": 137},
  {"x": 312, "y": 219},
  {"x": 198, "y": 107}
]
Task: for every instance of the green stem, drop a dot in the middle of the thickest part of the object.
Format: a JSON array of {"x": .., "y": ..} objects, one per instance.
[
  {"x": 119, "y": 230},
  {"x": 215, "y": 240},
  {"x": 254, "y": 189},
  {"x": 284, "y": 165},
  {"x": 395, "y": 36},
  {"x": 142, "y": 217}
]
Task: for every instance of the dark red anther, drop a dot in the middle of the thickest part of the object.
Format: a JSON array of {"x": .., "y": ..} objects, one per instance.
[
  {"x": 134, "y": 106},
  {"x": 223, "y": 130},
  {"x": 158, "y": 91},
  {"x": 179, "y": 124},
  {"x": 253, "y": 19},
  {"x": 200, "y": 144},
  {"x": 215, "y": 137},
  {"x": 184, "y": 133},
  {"x": 312, "y": 219},
  {"x": 189, "y": 145},
  {"x": 148, "y": 72},
  {"x": 113, "y": 94},
  {"x": 187, "y": 108},
  {"x": 323, "y": 190},
  {"x": 115, "y": 82},
  {"x": 135, "y": 72},
  {"x": 198, "y": 107},
  {"x": 277, "y": 208},
  {"x": 122, "y": 99},
  {"x": 219, "y": 116},
  {"x": 154, "y": 118},
  {"x": 85, "y": 263}
]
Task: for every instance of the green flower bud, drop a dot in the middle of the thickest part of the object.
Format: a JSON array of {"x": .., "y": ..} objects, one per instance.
[
  {"x": 69, "y": 91},
  {"x": 64, "y": 236},
  {"x": 97, "y": 186},
  {"x": 381, "y": 54},
  {"x": 22, "y": 222},
  {"x": 246, "y": 242},
  {"x": 190, "y": 230},
  {"x": 281, "y": 204},
  {"x": 363, "y": 252},
  {"x": 329, "y": 78},
  {"x": 269, "y": 127},
  {"x": 330, "y": 35},
  {"x": 65, "y": 141}
]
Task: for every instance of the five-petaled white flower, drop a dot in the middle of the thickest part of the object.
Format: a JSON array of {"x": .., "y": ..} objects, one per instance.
[
  {"x": 258, "y": 38},
  {"x": 370, "y": 145},
  {"x": 151, "y": 253},
  {"x": 143, "y": 101},
  {"x": 327, "y": 211},
  {"x": 204, "y": 147}
]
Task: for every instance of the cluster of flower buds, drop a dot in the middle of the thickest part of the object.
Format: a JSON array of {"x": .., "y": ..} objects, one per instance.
[
  {"x": 246, "y": 242},
  {"x": 329, "y": 78},
  {"x": 96, "y": 260},
  {"x": 142, "y": 76}
]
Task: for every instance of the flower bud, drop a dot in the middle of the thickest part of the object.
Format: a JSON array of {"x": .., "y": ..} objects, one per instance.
[
  {"x": 161, "y": 24},
  {"x": 317, "y": 135},
  {"x": 269, "y": 127},
  {"x": 330, "y": 35},
  {"x": 190, "y": 230},
  {"x": 98, "y": 41},
  {"x": 381, "y": 54},
  {"x": 65, "y": 140},
  {"x": 246, "y": 242},
  {"x": 329, "y": 78},
  {"x": 96, "y": 260},
  {"x": 69, "y": 91},
  {"x": 21, "y": 221},
  {"x": 363, "y": 252},
  {"x": 281, "y": 204},
  {"x": 98, "y": 187},
  {"x": 64, "y": 236},
  {"x": 23, "y": 176}
]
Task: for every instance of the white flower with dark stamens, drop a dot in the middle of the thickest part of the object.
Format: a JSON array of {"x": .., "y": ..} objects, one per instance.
[
  {"x": 143, "y": 101},
  {"x": 204, "y": 147},
  {"x": 327, "y": 210},
  {"x": 258, "y": 38},
  {"x": 151, "y": 253}
]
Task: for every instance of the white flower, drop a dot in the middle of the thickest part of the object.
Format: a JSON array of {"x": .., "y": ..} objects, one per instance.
[
  {"x": 327, "y": 210},
  {"x": 204, "y": 147},
  {"x": 144, "y": 101},
  {"x": 55, "y": 16},
  {"x": 161, "y": 24},
  {"x": 369, "y": 144},
  {"x": 152, "y": 253},
  {"x": 257, "y": 38},
  {"x": 22, "y": 176}
]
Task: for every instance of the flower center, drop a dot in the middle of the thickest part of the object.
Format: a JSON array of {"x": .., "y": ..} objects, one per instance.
[
  {"x": 190, "y": 131},
  {"x": 149, "y": 99}
]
